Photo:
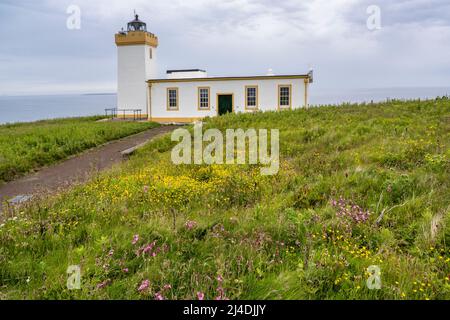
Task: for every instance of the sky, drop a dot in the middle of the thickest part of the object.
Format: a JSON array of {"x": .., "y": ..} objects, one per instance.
[{"x": 411, "y": 47}]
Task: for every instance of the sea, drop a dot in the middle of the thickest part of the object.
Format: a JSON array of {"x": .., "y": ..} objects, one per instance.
[{"x": 32, "y": 108}]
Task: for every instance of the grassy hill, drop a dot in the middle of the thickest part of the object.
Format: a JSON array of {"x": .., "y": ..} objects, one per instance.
[
  {"x": 359, "y": 186},
  {"x": 29, "y": 146}
]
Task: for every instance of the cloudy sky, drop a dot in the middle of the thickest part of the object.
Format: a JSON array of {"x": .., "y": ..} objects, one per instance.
[{"x": 40, "y": 55}]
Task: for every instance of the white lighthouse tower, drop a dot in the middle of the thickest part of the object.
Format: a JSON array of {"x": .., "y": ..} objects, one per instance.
[{"x": 136, "y": 64}]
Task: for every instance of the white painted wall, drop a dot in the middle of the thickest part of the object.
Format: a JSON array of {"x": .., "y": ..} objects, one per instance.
[
  {"x": 188, "y": 96},
  {"x": 135, "y": 67}
]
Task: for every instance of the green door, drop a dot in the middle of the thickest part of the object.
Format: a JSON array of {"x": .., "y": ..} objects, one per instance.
[{"x": 225, "y": 104}]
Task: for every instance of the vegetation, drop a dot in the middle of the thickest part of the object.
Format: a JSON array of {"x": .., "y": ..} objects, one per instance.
[
  {"x": 359, "y": 186},
  {"x": 29, "y": 146}
]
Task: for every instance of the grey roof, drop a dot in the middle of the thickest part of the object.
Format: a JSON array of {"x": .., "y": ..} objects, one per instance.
[{"x": 185, "y": 70}]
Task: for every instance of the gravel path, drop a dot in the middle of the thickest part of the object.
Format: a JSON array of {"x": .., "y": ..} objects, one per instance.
[{"x": 77, "y": 169}]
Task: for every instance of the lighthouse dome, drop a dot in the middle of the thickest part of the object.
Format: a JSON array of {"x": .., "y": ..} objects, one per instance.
[{"x": 137, "y": 25}]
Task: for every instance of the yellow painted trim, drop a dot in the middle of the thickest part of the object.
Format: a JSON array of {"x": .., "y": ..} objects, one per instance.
[
  {"x": 176, "y": 120},
  {"x": 136, "y": 38},
  {"x": 290, "y": 96},
  {"x": 229, "y": 79},
  {"x": 178, "y": 99},
  {"x": 225, "y": 94},
  {"x": 247, "y": 108},
  {"x": 199, "y": 108}
]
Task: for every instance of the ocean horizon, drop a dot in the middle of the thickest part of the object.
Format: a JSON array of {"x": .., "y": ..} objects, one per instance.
[{"x": 30, "y": 108}]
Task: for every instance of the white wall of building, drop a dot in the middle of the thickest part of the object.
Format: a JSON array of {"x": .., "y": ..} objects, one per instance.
[
  {"x": 135, "y": 66},
  {"x": 188, "y": 96}
]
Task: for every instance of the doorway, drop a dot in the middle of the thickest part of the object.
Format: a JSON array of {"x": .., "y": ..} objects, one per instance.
[{"x": 225, "y": 103}]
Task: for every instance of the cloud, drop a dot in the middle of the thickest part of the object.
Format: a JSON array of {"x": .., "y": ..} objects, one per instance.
[{"x": 230, "y": 37}]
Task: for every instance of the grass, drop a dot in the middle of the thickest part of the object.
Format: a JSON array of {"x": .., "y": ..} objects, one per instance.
[
  {"x": 228, "y": 232},
  {"x": 28, "y": 146}
]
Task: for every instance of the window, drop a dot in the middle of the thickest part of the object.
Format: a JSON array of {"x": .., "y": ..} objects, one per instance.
[
  {"x": 172, "y": 99},
  {"x": 284, "y": 96},
  {"x": 251, "y": 97},
  {"x": 204, "y": 98},
  {"x": 151, "y": 53}
]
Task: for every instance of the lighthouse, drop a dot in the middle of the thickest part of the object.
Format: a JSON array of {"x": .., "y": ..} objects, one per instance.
[
  {"x": 189, "y": 95},
  {"x": 136, "y": 65}
]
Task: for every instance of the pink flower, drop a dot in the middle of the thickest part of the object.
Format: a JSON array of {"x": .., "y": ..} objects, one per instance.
[
  {"x": 135, "y": 239},
  {"x": 103, "y": 284},
  {"x": 220, "y": 290},
  {"x": 146, "y": 188},
  {"x": 126, "y": 270},
  {"x": 190, "y": 225},
  {"x": 167, "y": 287},
  {"x": 144, "y": 286},
  {"x": 200, "y": 296},
  {"x": 149, "y": 247},
  {"x": 111, "y": 252},
  {"x": 159, "y": 296},
  {"x": 221, "y": 295}
]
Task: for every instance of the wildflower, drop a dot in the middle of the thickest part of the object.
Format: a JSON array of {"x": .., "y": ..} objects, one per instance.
[
  {"x": 149, "y": 247},
  {"x": 167, "y": 287},
  {"x": 145, "y": 189},
  {"x": 103, "y": 284},
  {"x": 111, "y": 252},
  {"x": 220, "y": 278},
  {"x": 348, "y": 209},
  {"x": 144, "y": 286},
  {"x": 221, "y": 295},
  {"x": 126, "y": 270},
  {"x": 135, "y": 239},
  {"x": 200, "y": 296},
  {"x": 190, "y": 225},
  {"x": 159, "y": 296}
]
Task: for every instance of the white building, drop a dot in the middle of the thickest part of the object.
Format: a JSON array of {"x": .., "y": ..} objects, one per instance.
[{"x": 190, "y": 95}]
